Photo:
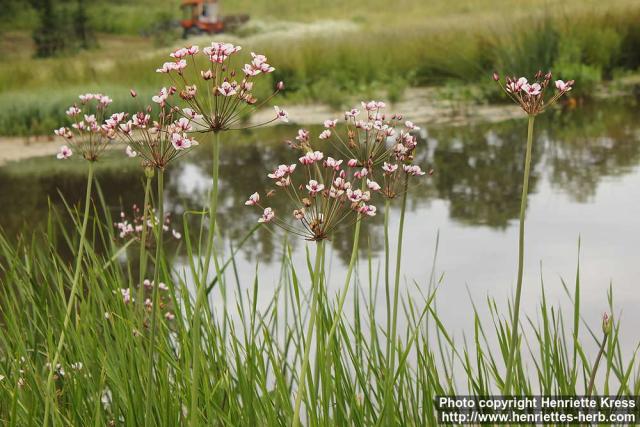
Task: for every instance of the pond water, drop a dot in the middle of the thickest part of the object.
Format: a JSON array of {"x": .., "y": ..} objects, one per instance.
[{"x": 585, "y": 185}]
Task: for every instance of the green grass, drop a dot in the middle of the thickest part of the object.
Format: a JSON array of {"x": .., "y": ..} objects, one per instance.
[{"x": 251, "y": 353}]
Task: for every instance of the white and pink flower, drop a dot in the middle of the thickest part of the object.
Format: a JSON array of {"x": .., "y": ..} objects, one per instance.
[
  {"x": 228, "y": 89},
  {"x": 267, "y": 216},
  {"x": 73, "y": 111},
  {"x": 330, "y": 123},
  {"x": 130, "y": 152},
  {"x": 389, "y": 168},
  {"x": 314, "y": 187},
  {"x": 368, "y": 210},
  {"x": 333, "y": 163},
  {"x": 563, "y": 86},
  {"x": 413, "y": 170},
  {"x": 64, "y": 153},
  {"x": 253, "y": 200},
  {"x": 325, "y": 134},
  {"x": 311, "y": 157},
  {"x": 281, "y": 114},
  {"x": 373, "y": 186}
]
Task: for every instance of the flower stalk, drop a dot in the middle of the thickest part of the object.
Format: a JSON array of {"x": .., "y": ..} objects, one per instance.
[
  {"x": 202, "y": 288},
  {"x": 315, "y": 298},
  {"x": 143, "y": 235},
  {"x": 516, "y": 307},
  {"x": 530, "y": 96},
  {"x": 154, "y": 297},
  {"x": 394, "y": 315}
]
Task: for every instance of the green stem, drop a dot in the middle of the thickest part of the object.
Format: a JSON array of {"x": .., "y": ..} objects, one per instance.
[
  {"x": 315, "y": 296},
  {"x": 394, "y": 317},
  {"x": 596, "y": 364},
  {"x": 213, "y": 206},
  {"x": 154, "y": 298},
  {"x": 347, "y": 280},
  {"x": 387, "y": 287},
  {"x": 202, "y": 286},
  {"x": 143, "y": 240},
  {"x": 50, "y": 398},
  {"x": 516, "y": 307}
]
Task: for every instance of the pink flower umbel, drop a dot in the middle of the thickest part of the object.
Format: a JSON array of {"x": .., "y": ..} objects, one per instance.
[
  {"x": 160, "y": 139},
  {"x": 379, "y": 148},
  {"x": 531, "y": 95},
  {"x": 91, "y": 129},
  {"x": 210, "y": 83},
  {"x": 322, "y": 194},
  {"x": 370, "y": 137}
]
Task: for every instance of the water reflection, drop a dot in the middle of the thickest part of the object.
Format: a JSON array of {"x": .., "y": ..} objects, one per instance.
[{"x": 478, "y": 173}]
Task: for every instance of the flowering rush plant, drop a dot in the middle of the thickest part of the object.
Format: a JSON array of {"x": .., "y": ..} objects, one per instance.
[
  {"x": 220, "y": 93},
  {"x": 531, "y": 95},
  {"x": 160, "y": 139},
  {"x": 321, "y": 191},
  {"x": 89, "y": 133},
  {"x": 379, "y": 148}
]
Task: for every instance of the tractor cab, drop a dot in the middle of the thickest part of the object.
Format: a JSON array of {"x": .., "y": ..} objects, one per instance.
[{"x": 201, "y": 16}]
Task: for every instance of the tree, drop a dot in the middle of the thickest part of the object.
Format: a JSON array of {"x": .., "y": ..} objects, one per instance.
[
  {"x": 83, "y": 32},
  {"x": 49, "y": 35}
]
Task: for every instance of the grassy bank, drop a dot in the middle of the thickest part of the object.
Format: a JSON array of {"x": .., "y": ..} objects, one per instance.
[{"x": 251, "y": 350}]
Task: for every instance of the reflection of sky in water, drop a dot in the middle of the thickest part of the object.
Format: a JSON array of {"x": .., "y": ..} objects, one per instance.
[{"x": 585, "y": 183}]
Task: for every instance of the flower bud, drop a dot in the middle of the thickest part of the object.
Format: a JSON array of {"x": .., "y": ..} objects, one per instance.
[
  {"x": 607, "y": 323},
  {"x": 280, "y": 85},
  {"x": 133, "y": 93},
  {"x": 496, "y": 76}
]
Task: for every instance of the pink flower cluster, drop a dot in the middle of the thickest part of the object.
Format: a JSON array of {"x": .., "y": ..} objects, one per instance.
[
  {"x": 132, "y": 228},
  {"x": 530, "y": 95},
  {"x": 147, "y": 287},
  {"x": 323, "y": 199},
  {"x": 91, "y": 130},
  {"x": 375, "y": 143},
  {"x": 162, "y": 140},
  {"x": 220, "y": 94}
]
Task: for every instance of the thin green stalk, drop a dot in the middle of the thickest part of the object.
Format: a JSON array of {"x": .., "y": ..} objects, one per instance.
[
  {"x": 202, "y": 287},
  {"x": 596, "y": 364},
  {"x": 154, "y": 297},
  {"x": 387, "y": 287},
  {"x": 143, "y": 239},
  {"x": 50, "y": 395},
  {"x": 394, "y": 317},
  {"x": 516, "y": 306},
  {"x": 315, "y": 296},
  {"x": 347, "y": 280},
  {"x": 213, "y": 206}
]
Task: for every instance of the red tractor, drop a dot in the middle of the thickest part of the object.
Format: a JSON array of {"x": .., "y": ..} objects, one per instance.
[{"x": 203, "y": 16}]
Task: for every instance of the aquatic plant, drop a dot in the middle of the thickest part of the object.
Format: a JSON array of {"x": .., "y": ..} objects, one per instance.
[
  {"x": 219, "y": 97},
  {"x": 88, "y": 136},
  {"x": 534, "y": 99},
  {"x": 157, "y": 136}
]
